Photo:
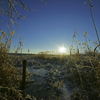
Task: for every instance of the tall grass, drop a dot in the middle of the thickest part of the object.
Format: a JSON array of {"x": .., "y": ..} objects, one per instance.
[
  {"x": 10, "y": 76},
  {"x": 85, "y": 73},
  {"x": 83, "y": 70}
]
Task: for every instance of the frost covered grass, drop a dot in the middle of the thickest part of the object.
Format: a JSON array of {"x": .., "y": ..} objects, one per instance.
[
  {"x": 81, "y": 70},
  {"x": 84, "y": 77},
  {"x": 10, "y": 76},
  {"x": 83, "y": 73}
]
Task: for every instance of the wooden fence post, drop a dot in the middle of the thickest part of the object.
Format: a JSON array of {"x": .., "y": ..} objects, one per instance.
[
  {"x": 24, "y": 74},
  {"x": 70, "y": 53}
]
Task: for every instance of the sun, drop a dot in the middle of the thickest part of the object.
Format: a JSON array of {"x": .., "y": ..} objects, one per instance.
[{"x": 62, "y": 49}]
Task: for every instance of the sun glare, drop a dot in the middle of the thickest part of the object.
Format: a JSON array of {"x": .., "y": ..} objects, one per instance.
[{"x": 62, "y": 49}]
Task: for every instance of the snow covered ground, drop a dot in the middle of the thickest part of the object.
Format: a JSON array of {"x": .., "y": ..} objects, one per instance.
[{"x": 47, "y": 80}]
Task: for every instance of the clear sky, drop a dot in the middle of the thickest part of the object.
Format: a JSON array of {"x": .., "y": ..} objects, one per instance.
[{"x": 53, "y": 25}]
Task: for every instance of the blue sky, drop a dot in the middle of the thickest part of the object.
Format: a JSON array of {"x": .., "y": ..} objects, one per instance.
[{"x": 53, "y": 25}]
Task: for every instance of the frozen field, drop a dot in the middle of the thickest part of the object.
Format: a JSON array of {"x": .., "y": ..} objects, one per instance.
[
  {"x": 47, "y": 79},
  {"x": 61, "y": 77}
]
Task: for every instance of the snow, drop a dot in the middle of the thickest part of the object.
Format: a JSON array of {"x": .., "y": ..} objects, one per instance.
[{"x": 43, "y": 70}]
